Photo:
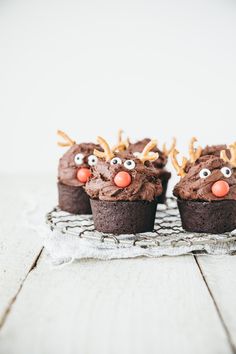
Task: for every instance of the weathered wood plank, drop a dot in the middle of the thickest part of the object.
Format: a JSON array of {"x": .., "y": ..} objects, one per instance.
[
  {"x": 121, "y": 306},
  {"x": 220, "y": 275},
  {"x": 19, "y": 244}
]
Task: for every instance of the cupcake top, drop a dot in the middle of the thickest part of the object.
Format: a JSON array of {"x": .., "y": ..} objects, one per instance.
[
  {"x": 75, "y": 165},
  {"x": 213, "y": 150},
  {"x": 163, "y": 155},
  {"x": 208, "y": 177},
  {"x": 123, "y": 176}
]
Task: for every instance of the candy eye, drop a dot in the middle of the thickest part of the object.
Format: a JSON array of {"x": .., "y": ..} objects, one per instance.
[
  {"x": 79, "y": 159},
  {"x": 116, "y": 161},
  {"x": 129, "y": 164},
  {"x": 92, "y": 160},
  {"x": 226, "y": 171},
  {"x": 204, "y": 173}
]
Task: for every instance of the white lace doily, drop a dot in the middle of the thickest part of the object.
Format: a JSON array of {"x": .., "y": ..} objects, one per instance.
[{"x": 74, "y": 237}]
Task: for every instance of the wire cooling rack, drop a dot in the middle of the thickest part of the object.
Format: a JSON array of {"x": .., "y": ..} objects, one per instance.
[{"x": 167, "y": 233}]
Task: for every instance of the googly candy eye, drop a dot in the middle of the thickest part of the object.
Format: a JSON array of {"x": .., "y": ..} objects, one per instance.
[
  {"x": 204, "y": 173},
  {"x": 116, "y": 161},
  {"x": 79, "y": 159},
  {"x": 92, "y": 160},
  {"x": 226, "y": 171},
  {"x": 129, "y": 164}
]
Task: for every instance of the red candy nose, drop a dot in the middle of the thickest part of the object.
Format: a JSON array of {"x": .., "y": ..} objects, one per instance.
[
  {"x": 83, "y": 174},
  {"x": 220, "y": 188},
  {"x": 122, "y": 179}
]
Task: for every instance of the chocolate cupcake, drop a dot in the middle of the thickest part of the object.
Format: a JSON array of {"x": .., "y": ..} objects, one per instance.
[
  {"x": 159, "y": 163},
  {"x": 124, "y": 190},
  {"x": 73, "y": 172},
  {"x": 207, "y": 190}
]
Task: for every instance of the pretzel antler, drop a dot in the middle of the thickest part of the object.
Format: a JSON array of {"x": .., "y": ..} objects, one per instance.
[
  {"x": 147, "y": 154},
  {"x": 120, "y": 132},
  {"x": 179, "y": 168},
  {"x": 193, "y": 152},
  {"x": 107, "y": 153},
  {"x": 68, "y": 140},
  {"x": 165, "y": 150},
  {"x": 122, "y": 144},
  {"x": 232, "y": 160}
]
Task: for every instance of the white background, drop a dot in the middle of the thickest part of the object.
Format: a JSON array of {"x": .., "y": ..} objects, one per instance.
[{"x": 154, "y": 68}]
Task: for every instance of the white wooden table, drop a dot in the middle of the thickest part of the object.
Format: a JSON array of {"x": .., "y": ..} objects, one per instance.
[{"x": 166, "y": 305}]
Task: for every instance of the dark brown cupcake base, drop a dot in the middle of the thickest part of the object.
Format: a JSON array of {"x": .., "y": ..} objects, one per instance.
[
  {"x": 209, "y": 217},
  {"x": 123, "y": 217},
  {"x": 164, "y": 177},
  {"x": 74, "y": 200}
]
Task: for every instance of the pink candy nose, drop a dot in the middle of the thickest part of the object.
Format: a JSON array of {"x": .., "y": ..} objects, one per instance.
[
  {"x": 83, "y": 174},
  {"x": 220, "y": 188},
  {"x": 122, "y": 179}
]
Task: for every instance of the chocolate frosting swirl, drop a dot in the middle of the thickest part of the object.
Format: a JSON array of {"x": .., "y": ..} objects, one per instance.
[
  {"x": 193, "y": 187},
  {"x": 214, "y": 150},
  {"x": 145, "y": 184},
  {"x": 67, "y": 169},
  {"x": 139, "y": 146}
]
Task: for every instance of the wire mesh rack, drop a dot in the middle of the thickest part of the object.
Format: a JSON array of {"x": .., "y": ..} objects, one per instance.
[{"x": 167, "y": 232}]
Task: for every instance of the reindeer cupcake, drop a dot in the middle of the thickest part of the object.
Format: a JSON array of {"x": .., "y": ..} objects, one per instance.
[
  {"x": 206, "y": 191},
  {"x": 73, "y": 172},
  {"x": 159, "y": 163},
  {"x": 124, "y": 189}
]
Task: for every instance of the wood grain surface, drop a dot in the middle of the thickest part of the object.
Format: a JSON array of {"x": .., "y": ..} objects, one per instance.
[{"x": 167, "y": 305}]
